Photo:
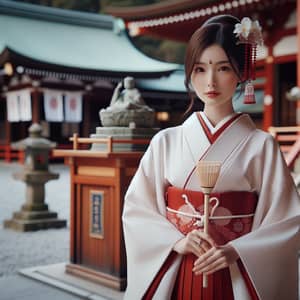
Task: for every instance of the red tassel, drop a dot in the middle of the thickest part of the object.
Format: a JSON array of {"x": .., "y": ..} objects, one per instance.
[{"x": 249, "y": 97}]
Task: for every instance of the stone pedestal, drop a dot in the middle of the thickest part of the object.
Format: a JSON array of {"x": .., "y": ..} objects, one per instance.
[
  {"x": 122, "y": 117},
  {"x": 123, "y": 133},
  {"x": 34, "y": 214}
]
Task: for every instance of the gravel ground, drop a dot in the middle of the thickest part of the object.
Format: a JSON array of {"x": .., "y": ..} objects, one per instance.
[{"x": 20, "y": 250}]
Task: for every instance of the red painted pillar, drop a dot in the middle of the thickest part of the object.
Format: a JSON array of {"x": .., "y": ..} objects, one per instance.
[{"x": 269, "y": 90}]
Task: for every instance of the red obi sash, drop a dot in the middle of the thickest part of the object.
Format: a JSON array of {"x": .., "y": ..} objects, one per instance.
[{"x": 231, "y": 215}]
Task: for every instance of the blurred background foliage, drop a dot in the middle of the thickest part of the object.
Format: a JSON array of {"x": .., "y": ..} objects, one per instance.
[{"x": 160, "y": 49}]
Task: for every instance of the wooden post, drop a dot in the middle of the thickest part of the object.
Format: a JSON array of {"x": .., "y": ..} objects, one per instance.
[
  {"x": 35, "y": 106},
  {"x": 7, "y": 157},
  {"x": 75, "y": 141},
  {"x": 86, "y": 122},
  {"x": 269, "y": 93},
  {"x": 109, "y": 146}
]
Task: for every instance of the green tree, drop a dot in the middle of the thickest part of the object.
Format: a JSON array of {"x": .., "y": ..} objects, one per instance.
[
  {"x": 82, "y": 5},
  {"x": 125, "y": 3},
  {"x": 165, "y": 50}
]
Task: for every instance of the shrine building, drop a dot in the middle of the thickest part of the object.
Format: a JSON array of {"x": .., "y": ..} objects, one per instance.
[
  {"x": 277, "y": 68},
  {"x": 60, "y": 67}
]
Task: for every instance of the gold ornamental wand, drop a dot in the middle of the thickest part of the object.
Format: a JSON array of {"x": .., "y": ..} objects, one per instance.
[{"x": 208, "y": 173}]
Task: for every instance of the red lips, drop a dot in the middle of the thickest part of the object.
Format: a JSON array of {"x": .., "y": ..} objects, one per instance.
[{"x": 212, "y": 94}]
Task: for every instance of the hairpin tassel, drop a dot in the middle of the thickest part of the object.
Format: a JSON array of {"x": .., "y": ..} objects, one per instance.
[
  {"x": 249, "y": 96},
  {"x": 249, "y": 33}
]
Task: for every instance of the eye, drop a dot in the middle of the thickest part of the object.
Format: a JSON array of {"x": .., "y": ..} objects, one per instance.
[
  {"x": 225, "y": 68},
  {"x": 198, "y": 69}
]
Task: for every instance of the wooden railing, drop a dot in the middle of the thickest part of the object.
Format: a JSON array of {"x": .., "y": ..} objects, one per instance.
[
  {"x": 289, "y": 141},
  {"x": 109, "y": 141},
  {"x": 8, "y": 154}
]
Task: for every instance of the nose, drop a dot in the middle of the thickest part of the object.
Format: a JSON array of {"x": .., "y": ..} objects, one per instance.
[{"x": 211, "y": 80}]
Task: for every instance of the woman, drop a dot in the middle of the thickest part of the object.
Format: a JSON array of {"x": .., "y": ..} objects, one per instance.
[{"x": 251, "y": 249}]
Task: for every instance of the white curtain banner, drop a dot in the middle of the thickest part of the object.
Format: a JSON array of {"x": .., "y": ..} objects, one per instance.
[
  {"x": 73, "y": 107},
  {"x": 12, "y": 104},
  {"x": 53, "y": 105},
  {"x": 25, "y": 105}
]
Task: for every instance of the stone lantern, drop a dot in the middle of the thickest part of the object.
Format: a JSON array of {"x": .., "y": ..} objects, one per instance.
[{"x": 34, "y": 214}]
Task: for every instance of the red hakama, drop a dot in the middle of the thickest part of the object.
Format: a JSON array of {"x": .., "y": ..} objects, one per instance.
[{"x": 231, "y": 218}]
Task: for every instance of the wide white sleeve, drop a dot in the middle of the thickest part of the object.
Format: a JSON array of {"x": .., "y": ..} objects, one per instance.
[
  {"x": 149, "y": 236},
  {"x": 270, "y": 252}
]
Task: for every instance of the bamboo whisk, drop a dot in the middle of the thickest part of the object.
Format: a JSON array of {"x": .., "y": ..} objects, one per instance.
[{"x": 208, "y": 173}]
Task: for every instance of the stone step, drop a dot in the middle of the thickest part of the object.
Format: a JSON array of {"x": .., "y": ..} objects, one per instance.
[
  {"x": 34, "y": 207},
  {"x": 33, "y": 225},
  {"x": 34, "y": 215}
]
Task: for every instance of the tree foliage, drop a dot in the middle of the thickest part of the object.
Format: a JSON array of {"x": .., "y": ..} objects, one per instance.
[
  {"x": 165, "y": 50},
  {"x": 125, "y": 3},
  {"x": 88, "y": 5}
]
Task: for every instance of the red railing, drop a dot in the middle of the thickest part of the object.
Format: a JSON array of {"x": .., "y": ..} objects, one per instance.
[
  {"x": 9, "y": 154},
  {"x": 288, "y": 138}
]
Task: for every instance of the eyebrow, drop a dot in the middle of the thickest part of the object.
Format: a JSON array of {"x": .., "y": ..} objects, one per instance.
[{"x": 217, "y": 63}]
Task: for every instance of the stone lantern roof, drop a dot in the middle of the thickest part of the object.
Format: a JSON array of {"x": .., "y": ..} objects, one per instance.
[{"x": 35, "y": 140}]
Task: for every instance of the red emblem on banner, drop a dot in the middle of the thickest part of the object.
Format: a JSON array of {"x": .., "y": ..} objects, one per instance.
[
  {"x": 53, "y": 103},
  {"x": 73, "y": 104}
]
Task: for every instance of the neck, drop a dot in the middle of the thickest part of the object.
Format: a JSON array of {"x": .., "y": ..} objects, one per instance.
[{"x": 217, "y": 114}]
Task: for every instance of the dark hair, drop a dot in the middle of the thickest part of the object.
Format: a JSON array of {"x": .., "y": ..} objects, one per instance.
[{"x": 216, "y": 30}]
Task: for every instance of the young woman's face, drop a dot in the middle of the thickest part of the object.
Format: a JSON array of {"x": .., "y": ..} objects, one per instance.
[{"x": 213, "y": 78}]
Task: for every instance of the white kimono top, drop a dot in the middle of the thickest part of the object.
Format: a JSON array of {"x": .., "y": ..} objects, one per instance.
[{"x": 251, "y": 161}]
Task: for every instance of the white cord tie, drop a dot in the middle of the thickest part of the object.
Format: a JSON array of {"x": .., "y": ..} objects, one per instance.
[{"x": 200, "y": 218}]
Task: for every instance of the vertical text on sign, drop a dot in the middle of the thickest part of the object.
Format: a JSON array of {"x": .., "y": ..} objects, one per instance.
[{"x": 97, "y": 214}]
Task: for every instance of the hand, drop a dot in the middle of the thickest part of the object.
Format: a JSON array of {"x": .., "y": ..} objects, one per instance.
[
  {"x": 216, "y": 258},
  {"x": 196, "y": 242}
]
